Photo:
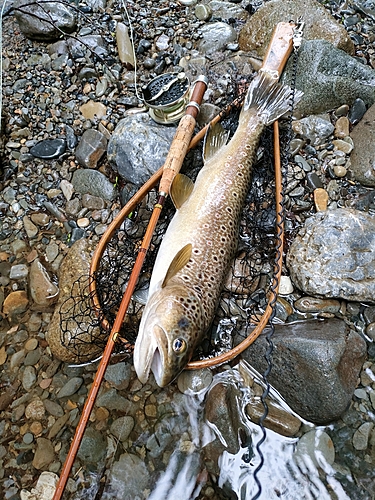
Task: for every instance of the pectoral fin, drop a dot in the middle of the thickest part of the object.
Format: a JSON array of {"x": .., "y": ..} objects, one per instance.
[
  {"x": 216, "y": 137},
  {"x": 181, "y": 189},
  {"x": 179, "y": 261}
]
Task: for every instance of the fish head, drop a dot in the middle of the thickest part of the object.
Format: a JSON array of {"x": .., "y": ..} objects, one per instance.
[{"x": 170, "y": 329}]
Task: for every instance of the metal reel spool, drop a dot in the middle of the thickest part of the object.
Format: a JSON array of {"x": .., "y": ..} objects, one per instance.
[{"x": 166, "y": 96}]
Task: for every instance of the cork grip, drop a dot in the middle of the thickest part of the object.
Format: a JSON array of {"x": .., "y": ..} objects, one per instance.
[
  {"x": 279, "y": 49},
  {"x": 182, "y": 138}
]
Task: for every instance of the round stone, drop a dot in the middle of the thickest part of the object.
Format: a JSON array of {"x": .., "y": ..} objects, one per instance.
[
  {"x": 339, "y": 171},
  {"x": 35, "y": 410},
  {"x": 194, "y": 381},
  {"x": 285, "y": 286},
  {"x": 31, "y": 344},
  {"x": 28, "y": 438}
]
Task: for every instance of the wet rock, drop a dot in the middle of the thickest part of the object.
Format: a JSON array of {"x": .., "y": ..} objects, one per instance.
[
  {"x": 122, "y": 427},
  {"x": 128, "y": 477},
  {"x": 91, "y": 148},
  {"x": 67, "y": 189},
  {"x": 138, "y": 147},
  {"x": 42, "y": 290},
  {"x": 315, "y": 446},
  {"x": 315, "y": 305},
  {"x": 363, "y": 156},
  {"x": 49, "y": 149},
  {"x": 223, "y": 414},
  {"x": 44, "y": 453},
  {"x": 330, "y": 256},
  {"x": 74, "y": 343},
  {"x": 124, "y": 45},
  {"x": 315, "y": 366},
  {"x": 44, "y": 22},
  {"x": 194, "y": 381},
  {"x": 92, "y": 202},
  {"x": 329, "y": 78},
  {"x": 93, "y": 110},
  {"x": 215, "y": 37},
  {"x": 227, "y": 10},
  {"x": 314, "y": 128},
  {"x": 342, "y": 127},
  {"x": 112, "y": 400},
  {"x": 93, "y": 182},
  {"x": 319, "y": 25},
  {"x": 93, "y": 447},
  {"x": 15, "y": 303},
  {"x": 278, "y": 420}
]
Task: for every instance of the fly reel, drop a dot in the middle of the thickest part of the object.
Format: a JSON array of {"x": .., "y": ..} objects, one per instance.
[{"x": 166, "y": 96}]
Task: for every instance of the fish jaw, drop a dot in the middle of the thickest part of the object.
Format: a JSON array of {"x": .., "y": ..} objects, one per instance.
[{"x": 165, "y": 324}]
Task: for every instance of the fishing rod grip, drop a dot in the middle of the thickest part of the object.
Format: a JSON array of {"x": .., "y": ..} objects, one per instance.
[
  {"x": 182, "y": 138},
  {"x": 279, "y": 49}
]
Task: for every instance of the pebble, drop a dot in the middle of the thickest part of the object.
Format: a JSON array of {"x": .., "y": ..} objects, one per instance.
[
  {"x": 357, "y": 111},
  {"x": 339, "y": 171},
  {"x": 35, "y": 410},
  {"x": 93, "y": 110},
  {"x": 122, "y": 427},
  {"x": 31, "y": 344},
  {"x": 343, "y": 146},
  {"x": 320, "y": 199},
  {"x": 277, "y": 419},
  {"x": 317, "y": 446},
  {"x": 49, "y": 149},
  {"x": 313, "y": 305},
  {"x": 341, "y": 127},
  {"x": 44, "y": 454},
  {"x": 28, "y": 378},
  {"x": 70, "y": 388},
  {"x": 194, "y": 381},
  {"x": 91, "y": 148},
  {"x": 15, "y": 303},
  {"x": 42, "y": 290},
  {"x": 361, "y": 436}
]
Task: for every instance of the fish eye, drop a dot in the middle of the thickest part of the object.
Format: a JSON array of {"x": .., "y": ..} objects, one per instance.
[{"x": 179, "y": 346}]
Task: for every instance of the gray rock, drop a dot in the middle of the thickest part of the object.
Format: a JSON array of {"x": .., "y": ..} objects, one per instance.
[
  {"x": 70, "y": 388},
  {"x": 42, "y": 290},
  {"x": 28, "y": 377},
  {"x": 319, "y": 25},
  {"x": 93, "y": 182},
  {"x": 128, "y": 477},
  {"x": 44, "y": 454},
  {"x": 215, "y": 37},
  {"x": 329, "y": 77},
  {"x": 138, "y": 147},
  {"x": 227, "y": 10},
  {"x": 91, "y": 148},
  {"x": 361, "y": 436},
  {"x": 363, "y": 155},
  {"x": 43, "y": 21},
  {"x": 313, "y": 128},
  {"x": 93, "y": 447},
  {"x": 315, "y": 366},
  {"x": 112, "y": 400},
  {"x": 315, "y": 446},
  {"x": 122, "y": 427},
  {"x": 118, "y": 375},
  {"x": 331, "y": 255}
]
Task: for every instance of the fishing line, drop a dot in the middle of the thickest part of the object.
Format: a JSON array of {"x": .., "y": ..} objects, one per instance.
[
  {"x": 281, "y": 168},
  {"x": 131, "y": 31}
]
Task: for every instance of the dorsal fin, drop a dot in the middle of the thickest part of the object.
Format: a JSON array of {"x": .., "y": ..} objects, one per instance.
[
  {"x": 216, "y": 137},
  {"x": 181, "y": 189},
  {"x": 179, "y": 261}
]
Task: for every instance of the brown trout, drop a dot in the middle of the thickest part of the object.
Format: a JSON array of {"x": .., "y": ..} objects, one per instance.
[{"x": 201, "y": 240}]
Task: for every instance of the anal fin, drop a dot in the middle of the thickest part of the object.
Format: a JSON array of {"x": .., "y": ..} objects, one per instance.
[{"x": 179, "y": 261}]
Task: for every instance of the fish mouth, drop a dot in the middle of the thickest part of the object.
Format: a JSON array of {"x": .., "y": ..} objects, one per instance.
[{"x": 149, "y": 356}]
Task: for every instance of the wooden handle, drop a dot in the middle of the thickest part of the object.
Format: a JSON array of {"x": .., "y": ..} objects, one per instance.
[
  {"x": 182, "y": 138},
  {"x": 279, "y": 49}
]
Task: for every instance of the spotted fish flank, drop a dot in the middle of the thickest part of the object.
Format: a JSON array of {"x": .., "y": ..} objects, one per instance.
[{"x": 201, "y": 240}]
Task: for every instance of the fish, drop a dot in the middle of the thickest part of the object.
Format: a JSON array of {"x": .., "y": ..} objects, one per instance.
[{"x": 200, "y": 243}]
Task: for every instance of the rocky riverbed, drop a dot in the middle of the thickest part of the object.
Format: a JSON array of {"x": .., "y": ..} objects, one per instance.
[{"x": 76, "y": 144}]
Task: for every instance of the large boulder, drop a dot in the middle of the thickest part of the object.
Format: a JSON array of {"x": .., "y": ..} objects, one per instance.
[
  {"x": 363, "y": 155},
  {"x": 44, "y": 21},
  {"x": 333, "y": 255},
  {"x": 315, "y": 366},
  {"x": 319, "y": 25},
  {"x": 329, "y": 77}
]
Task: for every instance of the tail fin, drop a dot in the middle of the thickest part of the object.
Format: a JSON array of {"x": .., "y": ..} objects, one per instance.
[{"x": 269, "y": 98}]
